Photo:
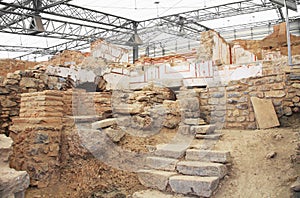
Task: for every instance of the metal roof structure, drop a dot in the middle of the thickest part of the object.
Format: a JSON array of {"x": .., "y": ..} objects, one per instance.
[{"x": 35, "y": 29}]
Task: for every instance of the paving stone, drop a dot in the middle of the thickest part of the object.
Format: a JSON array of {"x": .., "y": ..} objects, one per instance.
[
  {"x": 203, "y": 129},
  {"x": 154, "y": 178},
  {"x": 104, "y": 123},
  {"x": 208, "y": 155},
  {"x": 171, "y": 150},
  {"x": 195, "y": 185},
  {"x": 197, "y": 168},
  {"x": 161, "y": 163}
]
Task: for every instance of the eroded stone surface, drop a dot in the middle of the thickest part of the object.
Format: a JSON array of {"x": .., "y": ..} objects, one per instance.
[
  {"x": 200, "y": 186},
  {"x": 154, "y": 178}
]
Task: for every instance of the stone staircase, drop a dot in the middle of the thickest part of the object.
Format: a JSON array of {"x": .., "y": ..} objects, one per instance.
[
  {"x": 187, "y": 171},
  {"x": 190, "y": 167}
]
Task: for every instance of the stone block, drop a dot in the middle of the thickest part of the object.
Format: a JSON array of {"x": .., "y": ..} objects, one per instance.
[
  {"x": 154, "y": 178},
  {"x": 13, "y": 182},
  {"x": 27, "y": 82},
  {"x": 5, "y": 149},
  {"x": 161, "y": 163},
  {"x": 194, "y": 121},
  {"x": 184, "y": 129},
  {"x": 104, "y": 123},
  {"x": 296, "y": 99},
  {"x": 194, "y": 185},
  {"x": 203, "y": 129},
  {"x": 127, "y": 109},
  {"x": 275, "y": 94},
  {"x": 208, "y": 155},
  {"x": 192, "y": 104},
  {"x": 115, "y": 134},
  {"x": 171, "y": 150},
  {"x": 197, "y": 168},
  {"x": 296, "y": 85}
]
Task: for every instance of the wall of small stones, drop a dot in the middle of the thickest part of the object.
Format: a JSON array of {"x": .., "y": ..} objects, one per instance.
[
  {"x": 19, "y": 82},
  {"x": 230, "y": 105}
]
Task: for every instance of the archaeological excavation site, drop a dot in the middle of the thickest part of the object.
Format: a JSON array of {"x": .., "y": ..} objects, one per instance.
[{"x": 149, "y": 99}]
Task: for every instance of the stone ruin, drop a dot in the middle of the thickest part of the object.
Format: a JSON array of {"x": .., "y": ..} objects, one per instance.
[{"x": 195, "y": 93}]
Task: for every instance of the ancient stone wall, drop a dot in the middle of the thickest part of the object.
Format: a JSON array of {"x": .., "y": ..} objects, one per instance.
[
  {"x": 19, "y": 82},
  {"x": 230, "y": 105}
]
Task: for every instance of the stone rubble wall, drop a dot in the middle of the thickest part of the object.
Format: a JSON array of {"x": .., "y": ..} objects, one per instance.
[
  {"x": 230, "y": 105},
  {"x": 19, "y": 82}
]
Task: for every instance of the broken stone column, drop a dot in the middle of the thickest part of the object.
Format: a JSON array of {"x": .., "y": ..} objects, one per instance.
[{"x": 12, "y": 183}]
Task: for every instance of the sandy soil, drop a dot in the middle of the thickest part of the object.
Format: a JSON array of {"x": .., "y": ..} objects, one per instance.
[{"x": 253, "y": 174}]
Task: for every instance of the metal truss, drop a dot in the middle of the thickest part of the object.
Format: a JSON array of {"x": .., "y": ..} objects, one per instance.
[
  {"x": 59, "y": 19},
  {"x": 34, "y": 7}
]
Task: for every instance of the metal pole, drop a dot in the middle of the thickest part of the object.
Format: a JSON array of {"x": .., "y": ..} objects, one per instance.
[{"x": 288, "y": 35}]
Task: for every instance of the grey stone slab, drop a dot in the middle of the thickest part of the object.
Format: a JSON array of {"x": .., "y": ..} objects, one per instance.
[
  {"x": 208, "y": 155},
  {"x": 161, "y": 163},
  {"x": 195, "y": 185},
  {"x": 171, "y": 150},
  {"x": 104, "y": 123},
  {"x": 154, "y": 178},
  {"x": 13, "y": 182},
  {"x": 203, "y": 129},
  {"x": 201, "y": 168}
]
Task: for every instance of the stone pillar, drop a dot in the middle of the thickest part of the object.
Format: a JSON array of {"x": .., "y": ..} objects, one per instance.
[{"x": 37, "y": 136}]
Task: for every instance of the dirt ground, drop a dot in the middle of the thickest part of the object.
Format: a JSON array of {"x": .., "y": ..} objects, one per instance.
[{"x": 252, "y": 174}]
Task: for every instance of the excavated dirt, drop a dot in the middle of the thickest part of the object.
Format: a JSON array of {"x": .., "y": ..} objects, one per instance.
[
  {"x": 255, "y": 172},
  {"x": 252, "y": 173},
  {"x": 85, "y": 176}
]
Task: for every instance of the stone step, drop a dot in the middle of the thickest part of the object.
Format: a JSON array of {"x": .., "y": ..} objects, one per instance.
[
  {"x": 150, "y": 193},
  {"x": 194, "y": 185},
  {"x": 203, "y": 129},
  {"x": 154, "y": 178},
  {"x": 161, "y": 163},
  {"x": 171, "y": 150},
  {"x": 104, "y": 123},
  {"x": 197, "y": 168},
  {"x": 209, "y": 137},
  {"x": 207, "y": 155},
  {"x": 194, "y": 121}
]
